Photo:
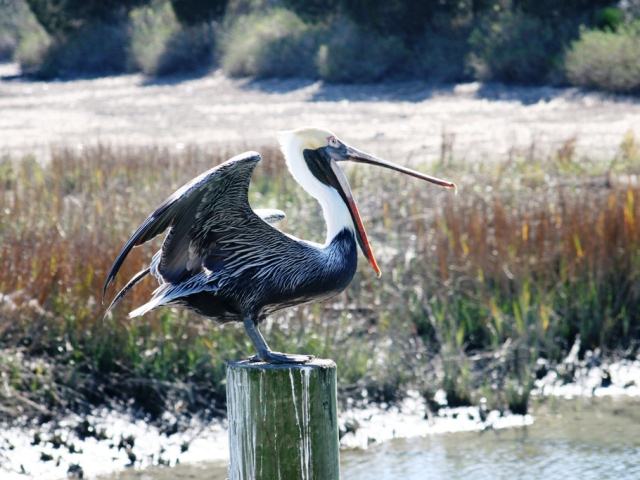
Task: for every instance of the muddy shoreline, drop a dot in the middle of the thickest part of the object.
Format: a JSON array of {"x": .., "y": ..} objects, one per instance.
[{"x": 107, "y": 441}]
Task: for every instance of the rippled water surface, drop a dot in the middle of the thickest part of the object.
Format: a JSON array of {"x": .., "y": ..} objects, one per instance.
[{"x": 579, "y": 439}]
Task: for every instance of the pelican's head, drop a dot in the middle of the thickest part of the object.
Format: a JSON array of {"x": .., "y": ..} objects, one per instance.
[{"x": 312, "y": 155}]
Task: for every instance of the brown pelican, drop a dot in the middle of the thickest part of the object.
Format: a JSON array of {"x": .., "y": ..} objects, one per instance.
[{"x": 227, "y": 262}]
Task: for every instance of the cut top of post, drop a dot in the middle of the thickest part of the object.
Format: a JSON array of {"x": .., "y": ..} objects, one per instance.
[{"x": 315, "y": 363}]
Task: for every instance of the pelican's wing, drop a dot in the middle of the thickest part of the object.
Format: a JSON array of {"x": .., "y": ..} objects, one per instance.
[
  {"x": 270, "y": 215},
  {"x": 197, "y": 213}
]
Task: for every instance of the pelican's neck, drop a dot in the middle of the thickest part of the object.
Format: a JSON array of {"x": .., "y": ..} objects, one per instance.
[{"x": 335, "y": 211}]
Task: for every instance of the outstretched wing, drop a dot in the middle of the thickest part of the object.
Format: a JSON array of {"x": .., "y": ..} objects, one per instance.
[{"x": 197, "y": 214}]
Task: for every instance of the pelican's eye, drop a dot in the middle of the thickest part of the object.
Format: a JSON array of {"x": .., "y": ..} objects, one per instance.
[{"x": 333, "y": 142}]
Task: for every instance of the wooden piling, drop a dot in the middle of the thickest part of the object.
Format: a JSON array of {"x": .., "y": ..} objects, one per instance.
[{"x": 282, "y": 421}]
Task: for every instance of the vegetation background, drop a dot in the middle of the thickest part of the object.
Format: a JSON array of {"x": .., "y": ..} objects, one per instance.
[
  {"x": 485, "y": 291},
  {"x": 590, "y": 43}
]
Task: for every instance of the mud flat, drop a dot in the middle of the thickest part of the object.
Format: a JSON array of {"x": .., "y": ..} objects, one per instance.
[
  {"x": 107, "y": 442},
  {"x": 406, "y": 120}
]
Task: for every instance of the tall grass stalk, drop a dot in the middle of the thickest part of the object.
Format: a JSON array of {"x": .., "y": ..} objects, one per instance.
[{"x": 531, "y": 253}]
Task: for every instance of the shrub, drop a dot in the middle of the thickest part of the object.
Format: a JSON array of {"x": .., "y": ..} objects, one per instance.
[
  {"x": 31, "y": 49},
  {"x": 61, "y": 17},
  {"x": 160, "y": 45},
  {"x": 312, "y": 10},
  {"x": 195, "y": 12},
  {"x": 236, "y": 8},
  {"x": 15, "y": 17},
  {"x": 189, "y": 48},
  {"x": 555, "y": 9},
  {"x": 439, "y": 56},
  {"x": 276, "y": 43},
  {"x": 151, "y": 30},
  {"x": 96, "y": 48},
  {"x": 630, "y": 8},
  {"x": 606, "y": 59},
  {"x": 8, "y": 34},
  {"x": 609, "y": 18},
  {"x": 7, "y": 45},
  {"x": 515, "y": 47},
  {"x": 353, "y": 54},
  {"x": 396, "y": 17}
]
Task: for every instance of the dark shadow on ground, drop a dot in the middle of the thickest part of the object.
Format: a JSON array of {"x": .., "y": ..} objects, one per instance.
[
  {"x": 11, "y": 72},
  {"x": 408, "y": 91},
  {"x": 9, "y": 78},
  {"x": 35, "y": 77},
  {"x": 175, "y": 78},
  {"x": 532, "y": 94},
  {"x": 418, "y": 91},
  {"x": 168, "y": 79},
  {"x": 277, "y": 85},
  {"x": 414, "y": 90},
  {"x": 524, "y": 94},
  {"x": 402, "y": 91}
]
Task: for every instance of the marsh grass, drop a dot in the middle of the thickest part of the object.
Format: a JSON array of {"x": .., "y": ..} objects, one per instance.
[{"x": 476, "y": 286}]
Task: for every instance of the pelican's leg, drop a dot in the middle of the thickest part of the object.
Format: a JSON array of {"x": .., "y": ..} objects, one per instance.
[{"x": 265, "y": 354}]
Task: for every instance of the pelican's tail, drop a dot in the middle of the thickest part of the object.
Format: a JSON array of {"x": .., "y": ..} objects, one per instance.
[
  {"x": 136, "y": 278},
  {"x": 162, "y": 296},
  {"x": 147, "y": 307},
  {"x": 173, "y": 294}
]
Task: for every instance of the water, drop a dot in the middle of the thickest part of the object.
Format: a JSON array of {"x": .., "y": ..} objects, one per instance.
[
  {"x": 567, "y": 441},
  {"x": 579, "y": 439}
]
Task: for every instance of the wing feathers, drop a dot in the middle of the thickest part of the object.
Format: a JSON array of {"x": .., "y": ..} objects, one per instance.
[
  {"x": 155, "y": 224},
  {"x": 136, "y": 278},
  {"x": 185, "y": 205}
]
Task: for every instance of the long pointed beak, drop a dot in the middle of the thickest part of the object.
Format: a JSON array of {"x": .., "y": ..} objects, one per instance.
[
  {"x": 361, "y": 234},
  {"x": 359, "y": 156}
]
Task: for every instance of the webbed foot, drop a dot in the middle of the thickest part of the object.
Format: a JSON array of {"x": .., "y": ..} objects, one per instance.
[{"x": 281, "y": 358}]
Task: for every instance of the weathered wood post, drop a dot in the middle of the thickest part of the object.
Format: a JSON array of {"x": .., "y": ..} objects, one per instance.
[{"x": 282, "y": 421}]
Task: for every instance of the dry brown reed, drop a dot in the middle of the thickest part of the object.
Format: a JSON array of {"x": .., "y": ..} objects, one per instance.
[{"x": 530, "y": 254}]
